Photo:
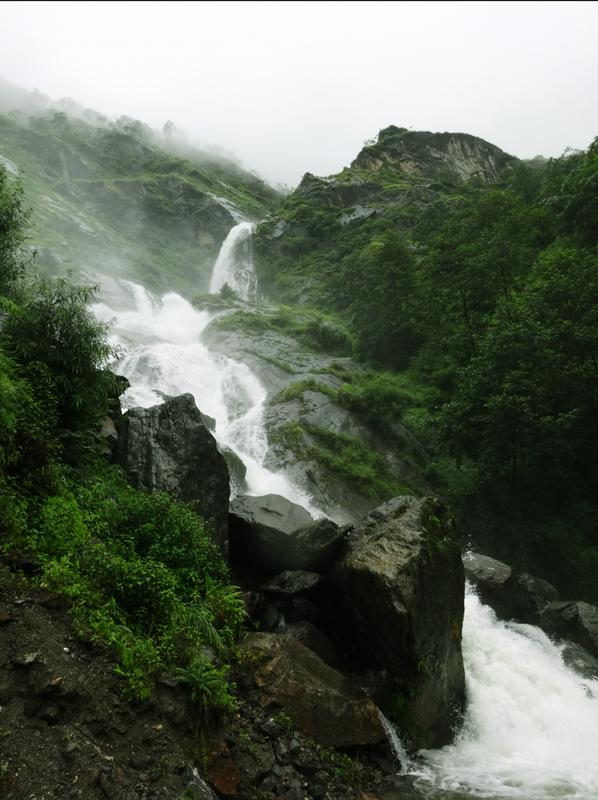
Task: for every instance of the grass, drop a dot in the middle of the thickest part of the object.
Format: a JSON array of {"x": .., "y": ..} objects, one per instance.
[
  {"x": 313, "y": 329},
  {"x": 343, "y": 456}
]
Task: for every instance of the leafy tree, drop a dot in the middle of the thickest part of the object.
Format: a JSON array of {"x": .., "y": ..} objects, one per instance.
[
  {"x": 61, "y": 349},
  {"x": 13, "y": 218},
  {"x": 380, "y": 281}
]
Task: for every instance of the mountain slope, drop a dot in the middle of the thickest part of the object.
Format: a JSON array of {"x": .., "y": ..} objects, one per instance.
[
  {"x": 108, "y": 197},
  {"x": 390, "y": 183}
]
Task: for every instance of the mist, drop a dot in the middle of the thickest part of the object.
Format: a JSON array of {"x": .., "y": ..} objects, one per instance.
[{"x": 296, "y": 87}]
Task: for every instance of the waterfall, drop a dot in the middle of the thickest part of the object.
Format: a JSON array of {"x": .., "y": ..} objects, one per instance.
[
  {"x": 531, "y": 726},
  {"x": 396, "y": 745},
  {"x": 234, "y": 265},
  {"x": 530, "y": 730},
  {"x": 162, "y": 355}
]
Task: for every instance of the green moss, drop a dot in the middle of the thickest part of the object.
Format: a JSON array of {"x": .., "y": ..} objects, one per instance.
[
  {"x": 353, "y": 461},
  {"x": 312, "y": 328}
]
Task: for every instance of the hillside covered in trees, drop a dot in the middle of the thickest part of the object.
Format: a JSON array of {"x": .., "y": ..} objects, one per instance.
[{"x": 471, "y": 278}]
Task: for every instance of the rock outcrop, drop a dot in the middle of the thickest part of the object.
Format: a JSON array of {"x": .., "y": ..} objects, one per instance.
[
  {"x": 446, "y": 157},
  {"x": 574, "y": 621},
  {"x": 397, "y": 595},
  {"x": 260, "y": 528},
  {"x": 512, "y": 595},
  {"x": 168, "y": 448},
  {"x": 532, "y": 600},
  {"x": 319, "y": 700}
]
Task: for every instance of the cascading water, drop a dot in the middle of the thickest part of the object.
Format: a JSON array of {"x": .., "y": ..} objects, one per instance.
[
  {"x": 531, "y": 726},
  {"x": 162, "y": 355},
  {"x": 234, "y": 265},
  {"x": 396, "y": 745}
]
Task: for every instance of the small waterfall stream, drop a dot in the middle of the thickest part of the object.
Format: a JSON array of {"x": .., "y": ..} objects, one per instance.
[{"x": 399, "y": 753}]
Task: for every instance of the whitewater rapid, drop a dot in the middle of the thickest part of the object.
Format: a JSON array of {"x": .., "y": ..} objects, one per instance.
[
  {"x": 162, "y": 355},
  {"x": 531, "y": 725}
]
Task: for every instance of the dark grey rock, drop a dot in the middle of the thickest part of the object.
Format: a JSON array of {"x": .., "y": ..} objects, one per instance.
[
  {"x": 397, "y": 603},
  {"x": 512, "y": 595},
  {"x": 292, "y": 582},
  {"x": 489, "y": 577},
  {"x": 320, "y": 701},
  {"x": 529, "y": 594},
  {"x": 311, "y": 637},
  {"x": 236, "y": 470},
  {"x": 578, "y": 658},
  {"x": 574, "y": 621},
  {"x": 315, "y": 546},
  {"x": 168, "y": 448},
  {"x": 260, "y": 529}
]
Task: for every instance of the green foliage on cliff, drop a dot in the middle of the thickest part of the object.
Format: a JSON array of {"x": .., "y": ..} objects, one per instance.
[
  {"x": 488, "y": 295},
  {"x": 141, "y": 571},
  {"x": 313, "y": 328}
]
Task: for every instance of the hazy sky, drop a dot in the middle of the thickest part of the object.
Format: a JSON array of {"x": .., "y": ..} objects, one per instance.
[{"x": 292, "y": 87}]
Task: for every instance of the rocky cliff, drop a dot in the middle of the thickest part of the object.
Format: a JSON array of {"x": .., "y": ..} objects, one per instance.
[{"x": 393, "y": 179}]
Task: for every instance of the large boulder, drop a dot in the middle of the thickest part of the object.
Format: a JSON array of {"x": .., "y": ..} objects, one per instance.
[
  {"x": 168, "y": 448},
  {"x": 574, "y": 621},
  {"x": 291, "y": 583},
  {"x": 260, "y": 528},
  {"x": 512, "y": 595},
  {"x": 314, "y": 547},
  {"x": 490, "y": 577},
  {"x": 397, "y": 594},
  {"x": 321, "y": 702},
  {"x": 313, "y": 638},
  {"x": 530, "y": 595}
]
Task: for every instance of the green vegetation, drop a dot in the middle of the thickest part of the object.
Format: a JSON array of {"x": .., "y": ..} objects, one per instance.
[
  {"x": 342, "y": 456},
  {"x": 352, "y": 460},
  {"x": 481, "y": 303},
  {"x": 141, "y": 571},
  {"x": 312, "y": 328}
]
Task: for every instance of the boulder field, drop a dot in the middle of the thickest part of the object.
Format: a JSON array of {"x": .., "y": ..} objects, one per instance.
[{"x": 382, "y": 599}]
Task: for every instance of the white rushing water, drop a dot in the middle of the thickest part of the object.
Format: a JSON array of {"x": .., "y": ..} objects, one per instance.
[
  {"x": 531, "y": 725},
  {"x": 234, "y": 264},
  {"x": 163, "y": 355},
  {"x": 396, "y": 745}
]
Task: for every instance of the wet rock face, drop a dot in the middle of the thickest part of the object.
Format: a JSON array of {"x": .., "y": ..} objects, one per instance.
[
  {"x": 450, "y": 157},
  {"x": 260, "y": 529},
  {"x": 397, "y": 595},
  {"x": 490, "y": 578},
  {"x": 574, "y": 621},
  {"x": 314, "y": 546},
  {"x": 278, "y": 536},
  {"x": 319, "y": 700},
  {"x": 512, "y": 595},
  {"x": 168, "y": 448}
]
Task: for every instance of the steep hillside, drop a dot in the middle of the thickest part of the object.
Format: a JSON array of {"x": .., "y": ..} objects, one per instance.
[
  {"x": 460, "y": 268},
  {"x": 392, "y": 181},
  {"x": 116, "y": 197}
]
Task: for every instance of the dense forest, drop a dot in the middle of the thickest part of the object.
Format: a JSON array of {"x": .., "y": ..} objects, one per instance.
[{"x": 480, "y": 299}]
